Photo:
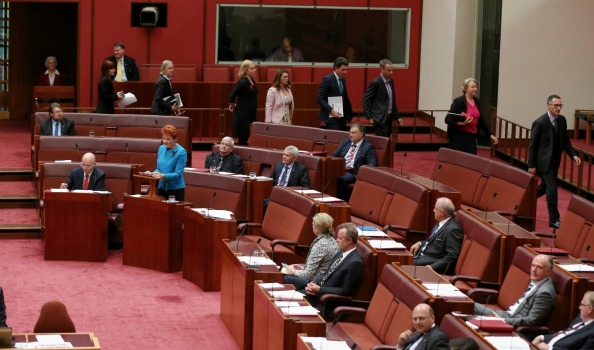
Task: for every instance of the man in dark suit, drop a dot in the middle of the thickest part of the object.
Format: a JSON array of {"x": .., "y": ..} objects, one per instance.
[
  {"x": 346, "y": 269},
  {"x": 126, "y": 69},
  {"x": 548, "y": 140},
  {"x": 290, "y": 172},
  {"x": 534, "y": 307},
  {"x": 57, "y": 125},
  {"x": 225, "y": 160},
  {"x": 87, "y": 177},
  {"x": 442, "y": 249},
  {"x": 356, "y": 151},
  {"x": 2, "y": 310},
  {"x": 427, "y": 335},
  {"x": 334, "y": 85},
  {"x": 163, "y": 90},
  {"x": 379, "y": 101},
  {"x": 579, "y": 335}
]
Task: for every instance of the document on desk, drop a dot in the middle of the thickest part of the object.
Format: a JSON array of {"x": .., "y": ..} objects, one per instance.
[
  {"x": 577, "y": 267},
  {"x": 215, "y": 213},
  {"x": 256, "y": 260},
  {"x": 306, "y": 191},
  {"x": 328, "y": 199},
  {"x": 371, "y": 233},
  {"x": 46, "y": 341},
  {"x": 286, "y": 295},
  {"x": 267, "y": 286},
  {"x": 306, "y": 310},
  {"x": 59, "y": 190},
  {"x": 386, "y": 244},
  {"x": 440, "y": 286},
  {"x": 286, "y": 304},
  {"x": 508, "y": 343},
  {"x": 319, "y": 343}
]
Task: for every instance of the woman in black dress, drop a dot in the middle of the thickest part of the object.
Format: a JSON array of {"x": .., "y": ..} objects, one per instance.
[
  {"x": 245, "y": 92},
  {"x": 106, "y": 91}
]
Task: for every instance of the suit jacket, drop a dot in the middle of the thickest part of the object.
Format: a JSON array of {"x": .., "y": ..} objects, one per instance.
[
  {"x": 459, "y": 106},
  {"x": 443, "y": 248},
  {"x": 232, "y": 163},
  {"x": 434, "y": 339},
  {"x": 162, "y": 89},
  {"x": 582, "y": 339},
  {"x": 540, "y": 149},
  {"x": 536, "y": 308},
  {"x": 328, "y": 88},
  {"x": 106, "y": 96},
  {"x": 365, "y": 155},
  {"x": 59, "y": 79},
  {"x": 47, "y": 128},
  {"x": 2, "y": 309},
  {"x": 297, "y": 177},
  {"x": 129, "y": 68},
  {"x": 345, "y": 279},
  {"x": 376, "y": 102},
  {"x": 77, "y": 177},
  {"x": 275, "y": 106}
]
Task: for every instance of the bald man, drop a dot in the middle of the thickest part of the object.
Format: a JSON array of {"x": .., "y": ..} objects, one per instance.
[
  {"x": 426, "y": 335},
  {"x": 87, "y": 177}
]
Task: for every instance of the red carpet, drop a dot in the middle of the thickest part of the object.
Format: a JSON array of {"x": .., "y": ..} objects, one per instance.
[{"x": 16, "y": 139}]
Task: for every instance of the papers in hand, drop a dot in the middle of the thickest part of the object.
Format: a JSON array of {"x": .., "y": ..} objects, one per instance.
[
  {"x": 128, "y": 99},
  {"x": 386, "y": 244},
  {"x": 213, "y": 213},
  {"x": 336, "y": 103},
  {"x": 175, "y": 98}
]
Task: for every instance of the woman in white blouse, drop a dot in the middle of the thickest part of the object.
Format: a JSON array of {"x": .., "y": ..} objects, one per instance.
[{"x": 279, "y": 100}]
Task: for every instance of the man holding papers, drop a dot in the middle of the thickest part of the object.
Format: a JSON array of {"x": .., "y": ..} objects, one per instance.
[
  {"x": 442, "y": 249},
  {"x": 87, "y": 177},
  {"x": 164, "y": 103},
  {"x": 333, "y": 98}
]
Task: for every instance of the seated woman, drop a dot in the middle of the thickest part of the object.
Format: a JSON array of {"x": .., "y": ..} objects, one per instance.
[
  {"x": 320, "y": 254},
  {"x": 51, "y": 76}
]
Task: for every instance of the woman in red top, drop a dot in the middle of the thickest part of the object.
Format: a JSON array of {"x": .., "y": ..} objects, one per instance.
[{"x": 51, "y": 76}]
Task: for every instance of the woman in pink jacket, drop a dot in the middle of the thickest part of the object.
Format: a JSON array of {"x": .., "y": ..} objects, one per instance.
[{"x": 279, "y": 100}]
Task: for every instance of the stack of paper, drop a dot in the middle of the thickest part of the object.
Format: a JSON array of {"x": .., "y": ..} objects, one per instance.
[
  {"x": 306, "y": 310},
  {"x": 508, "y": 343},
  {"x": 256, "y": 260},
  {"x": 319, "y": 343},
  {"x": 443, "y": 289},
  {"x": 577, "y": 267},
  {"x": 287, "y": 295},
  {"x": 386, "y": 244}
]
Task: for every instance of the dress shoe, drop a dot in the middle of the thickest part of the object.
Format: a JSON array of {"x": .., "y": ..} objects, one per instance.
[{"x": 555, "y": 224}]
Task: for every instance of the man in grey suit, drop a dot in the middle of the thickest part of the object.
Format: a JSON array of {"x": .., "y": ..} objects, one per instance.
[
  {"x": 535, "y": 305},
  {"x": 379, "y": 101},
  {"x": 548, "y": 139},
  {"x": 442, "y": 249}
]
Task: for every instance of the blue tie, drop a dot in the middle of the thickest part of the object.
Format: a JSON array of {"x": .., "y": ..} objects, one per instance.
[
  {"x": 283, "y": 179},
  {"x": 340, "y": 87}
]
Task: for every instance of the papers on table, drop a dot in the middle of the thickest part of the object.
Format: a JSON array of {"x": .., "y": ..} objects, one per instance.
[
  {"x": 328, "y": 199},
  {"x": 128, "y": 99},
  {"x": 306, "y": 191},
  {"x": 336, "y": 103},
  {"x": 256, "y": 260},
  {"x": 63, "y": 161},
  {"x": 443, "y": 290},
  {"x": 306, "y": 310},
  {"x": 214, "y": 213},
  {"x": 46, "y": 341},
  {"x": 577, "y": 267},
  {"x": 286, "y": 303},
  {"x": 286, "y": 295},
  {"x": 508, "y": 343},
  {"x": 319, "y": 343},
  {"x": 268, "y": 286},
  {"x": 370, "y": 233},
  {"x": 386, "y": 244},
  {"x": 59, "y": 190}
]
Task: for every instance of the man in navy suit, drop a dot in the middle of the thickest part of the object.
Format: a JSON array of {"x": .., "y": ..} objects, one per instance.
[
  {"x": 427, "y": 335},
  {"x": 87, "y": 177},
  {"x": 56, "y": 125},
  {"x": 346, "y": 269},
  {"x": 379, "y": 101},
  {"x": 334, "y": 85},
  {"x": 126, "y": 69},
  {"x": 290, "y": 172},
  {"x": 442, "y": 249},
  {"x": 548, "y": 140},
  {"x": 225, "y": 160},
  {"x": 578, "y": 336},
  {"x": 356, "y": 151}
]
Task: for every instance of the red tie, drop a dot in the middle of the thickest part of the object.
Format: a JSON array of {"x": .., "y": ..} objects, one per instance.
[{"x": 86, "y": 183}]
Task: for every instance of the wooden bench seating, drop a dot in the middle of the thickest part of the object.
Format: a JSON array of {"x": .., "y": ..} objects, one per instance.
[
  {"x": 478, "y": 179},
  {"x": 275, "y": 136}
]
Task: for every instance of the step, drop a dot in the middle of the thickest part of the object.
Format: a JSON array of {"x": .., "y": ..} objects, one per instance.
[
  {"x": 16, "y": 174},
  {"x": 14, "y": 201},
  {"x": 20, "y": 231}
]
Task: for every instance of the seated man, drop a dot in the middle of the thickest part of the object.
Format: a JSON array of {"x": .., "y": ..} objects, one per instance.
[
  {"x": 427, "y": 335},
  {"x": 346, "y": 269},
  {"x": 442, "y": 249},
  {"x": 579, "y": 335},
  {"x": 356, "y": 151},
  {"x": 87, "y": 177},
  {"x": 290, "y": 172},
  {"x": 56, "y": 125},
  {"x": 2, "y": 310},
  {"x": 535, "y": 305},
  {"x": 225, "y": 160}
]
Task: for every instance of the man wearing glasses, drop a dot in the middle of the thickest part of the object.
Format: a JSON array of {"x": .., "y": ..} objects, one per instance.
[
  {"x": 87, "y": 177},
  {"x": 548, "y": 139}
]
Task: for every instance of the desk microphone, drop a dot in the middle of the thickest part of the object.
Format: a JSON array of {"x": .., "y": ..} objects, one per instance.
[
  {"x": 275, "y": 279},
  {"x": 366, "y": 218},
  {"x": 256, "y": 266},
  {"x": 324, "y": 143},
  {"x": 553, "y": 241},
  {"x": 580, "y": 269},
  {"x": 214, "y": 194},
  {"x": 402, "y": 163},
  {"x": 326, "y": 186},
  {"x": 303, "y": 180},
  {"x": 91, "y": 120},
  {"x": 512, "y": 218},
  {"x": 156, "y": 122},
  {"x": 77, "y": 157},
  {"x": 127, "y": 154},
  {"x": 489, "y": 203},
  {"x": 435, "y": 175},
  {"x": 240, "y": 234},
  {"x": 249, "y": 163}
]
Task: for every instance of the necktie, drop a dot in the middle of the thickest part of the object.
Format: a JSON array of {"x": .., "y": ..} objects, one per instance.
[
  {"x": 283, "y": 179},
  {"x": 350, "y": 160},
  {"x": 330, "y": 270},
  {"x": 513, "y": 308},
  {"x": 86, "y": 183},
  {"x": 555, "y": 123},
  {"x": 389, "y": 89},
  {"x": 340, "y": 86},
  {"x": 57, "y": 129},
  {"x": 220, "y": 165},
  {"x": 119, "y": 71},
  {"x": 435, "y": 229}
]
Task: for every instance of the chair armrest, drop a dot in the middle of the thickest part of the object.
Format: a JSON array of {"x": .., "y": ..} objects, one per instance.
[
  {"x": 350, "y": 310},
  {"x": 482, "y": 291},
  {"x": 247, "y": 225},
  {"x": 533, "y": 330},
  {"x": 464, "y": 278},
  {"x": 396, "y": 228},
  {"x": 544, "y": 234},
  {"x": 586, "y": 260},
  {"x": 504, "y": 213},
  {"x": 334, "y": 297},
  {"x": 282, "y": 242},
  {"x": 383, "y": 347}
]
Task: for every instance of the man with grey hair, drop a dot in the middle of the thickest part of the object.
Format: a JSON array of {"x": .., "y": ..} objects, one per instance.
[
  {"x": 379, "y": 101},
  {"x": 442, "y": 248},
  {"x": 225, "y": 160},
  {"x": 290, "y": 172}
]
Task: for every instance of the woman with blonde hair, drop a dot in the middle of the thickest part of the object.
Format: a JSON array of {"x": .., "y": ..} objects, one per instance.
[
  {"x": 243, "y": 102},
  {"x": 279, "y": 100}
]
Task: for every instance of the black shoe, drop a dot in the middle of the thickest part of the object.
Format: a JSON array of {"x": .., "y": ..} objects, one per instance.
[{"x": 555, "y": 224}]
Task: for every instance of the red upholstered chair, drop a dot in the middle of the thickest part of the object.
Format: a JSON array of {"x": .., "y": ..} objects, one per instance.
[
  {"x": 455, "y": 327},
  {"x": 271, "y": 72},
  {"x": 54, "y": 318},
  {"x": 215, "y": 74}
]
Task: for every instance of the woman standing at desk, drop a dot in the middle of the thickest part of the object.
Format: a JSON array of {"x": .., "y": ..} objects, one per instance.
[
  {"x": 105, "y": 88},
  {"x": 245, "y": 92},
  {"x": 171, "y": 161},
  {"x": 279, "y": 100}
]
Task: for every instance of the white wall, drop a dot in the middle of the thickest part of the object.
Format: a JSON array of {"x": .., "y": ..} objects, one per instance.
[{"x": 547, "y": 47}]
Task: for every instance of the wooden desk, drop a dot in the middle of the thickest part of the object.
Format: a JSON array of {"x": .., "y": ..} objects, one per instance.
[
  {"x": 237, "y": 290},
  {"x": 202, "y": 248},
  {"x": 81, "y": 341},
  {"x": 76, "y": 226},
  {"x": 153, "y": 233},
  {"x": 457, "y": 328},
  {"x": 302, "y": 345},
  {"x": 258, "y": 190},
  {"x": 277, "y": 331},
  {"x": 388, "y": 256},
  {"x": 441, "y": 305}
]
